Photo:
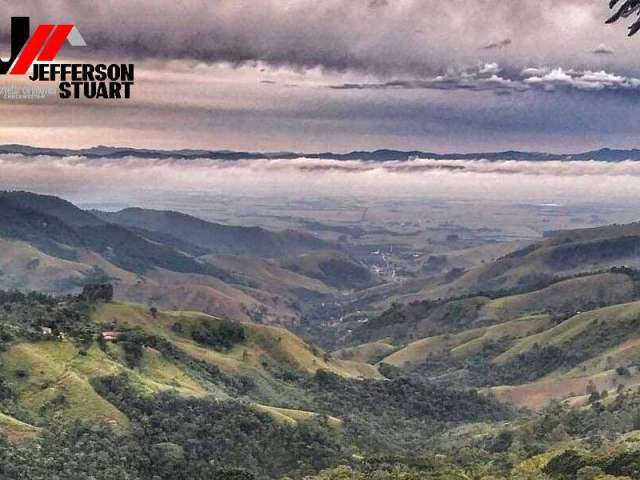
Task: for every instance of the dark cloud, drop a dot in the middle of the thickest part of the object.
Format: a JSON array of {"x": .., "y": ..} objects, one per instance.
[
  {"x": 602, "y": 49},
  {"x": 378, "y": 3},
  {"x": 497, "y": 45},
  {"x": 402, "y": 74},
  {"x": 412, "y": 37}
]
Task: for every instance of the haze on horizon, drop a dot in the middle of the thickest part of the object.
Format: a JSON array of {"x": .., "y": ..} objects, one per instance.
[{"x": 454, "y": 76}]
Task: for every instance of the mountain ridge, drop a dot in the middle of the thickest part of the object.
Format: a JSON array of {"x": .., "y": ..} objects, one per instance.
[
  {"x": 603, "y": 154},
  {"x": 215, "y": 237}
]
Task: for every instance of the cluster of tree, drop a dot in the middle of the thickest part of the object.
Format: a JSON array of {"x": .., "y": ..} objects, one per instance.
[
  {"x": 344, "y": 275},
  {"x": 97, "y": 292},
  {"x": 394, "y": 469},
  {"x": 221, "y": 335},
  {"x": 35, "y": 316},
  {"x": 523, "y": 368},
  {"x": 82, "y": 451},
  {"x": 396, "y": 416},
  {"x": 179, "y": 437}
]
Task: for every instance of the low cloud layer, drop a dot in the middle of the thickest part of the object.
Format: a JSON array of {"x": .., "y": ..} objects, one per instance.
[{"x": 130, "y": 180}]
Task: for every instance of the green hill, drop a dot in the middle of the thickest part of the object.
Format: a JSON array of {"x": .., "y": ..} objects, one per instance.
[
  {"x": 564, "y": 253},
  {"x": 534, "y": 359},
  {"x": 427, "y": 318},
  {"x": 112, "y": 374}
]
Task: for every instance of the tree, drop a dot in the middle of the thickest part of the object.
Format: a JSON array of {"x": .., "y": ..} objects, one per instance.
[
  {"x": 594, "y": 397},
  {"x": 167, "y": 459},
  {"x": 95, "y": 292},
  {"x": 626, "y": 9}
]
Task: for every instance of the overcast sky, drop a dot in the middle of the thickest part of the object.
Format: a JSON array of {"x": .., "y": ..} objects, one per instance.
[{"x": 339, "y": 75}]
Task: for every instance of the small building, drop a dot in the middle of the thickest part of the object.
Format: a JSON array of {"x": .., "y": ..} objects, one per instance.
[{"x": 111, "y": 336}]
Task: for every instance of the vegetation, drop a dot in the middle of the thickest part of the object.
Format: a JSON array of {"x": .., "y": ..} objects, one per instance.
[
  {"x": 219, "y": 335},
  {"x": 145, "y": 404},
  {"x": 95, "y": 389}
]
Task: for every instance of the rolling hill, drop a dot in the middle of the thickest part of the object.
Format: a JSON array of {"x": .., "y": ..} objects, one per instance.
[
  {"x": 53, "y": 246},
  {"x": 53, "y": 375},
  {"x": 207, "y": 380},
  {"x": 53, "y": 206},
  {"x": 547, "y": 322},
  {"x": 427, "y": 318},
  {"x": 124, "y": 374},
  {"x": 561, "y": 254},
  {"x": 533, "y": 359},
  {"x": 332, "y": 267}
]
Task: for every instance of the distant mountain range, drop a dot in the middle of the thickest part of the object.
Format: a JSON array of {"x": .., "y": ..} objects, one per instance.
[{"x": 604, "y": 154}]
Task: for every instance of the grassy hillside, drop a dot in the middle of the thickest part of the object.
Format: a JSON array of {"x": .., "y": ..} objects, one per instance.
[
  {"x": 366, "y": 352},
  {"x": 268, "y": 275},
  {"x": 570, "y": 389},
  {"x": 181, "y": 381},
  {"x": 50, "y": 245},
  {"x": 15, "y": 430},
  {"x": 564, "y": 253},
  {"x": 565, "y": 296},
  {"x": 585, "y": 333},
  {"x": 272, "y": 295},
  {"x": 22, "y": 266},
  {"x": 532, "y": 360},
  {"x": 421, "y": 319},
  {"x": 264, "y": 348},
  {"x": 50, "y": 377},
  {"x": 467, "y": 343}
]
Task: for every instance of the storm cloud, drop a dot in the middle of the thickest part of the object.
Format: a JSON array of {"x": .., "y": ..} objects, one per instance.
[
  {"x": 339, "y": 75},
  {"x": 384, "y": 37}
]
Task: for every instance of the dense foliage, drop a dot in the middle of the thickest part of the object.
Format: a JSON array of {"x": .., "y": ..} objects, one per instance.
[
  {"x": 400, "y": 415},
  {"x": 219, "y": 335},
  {"x": 197, "y": 437}
]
